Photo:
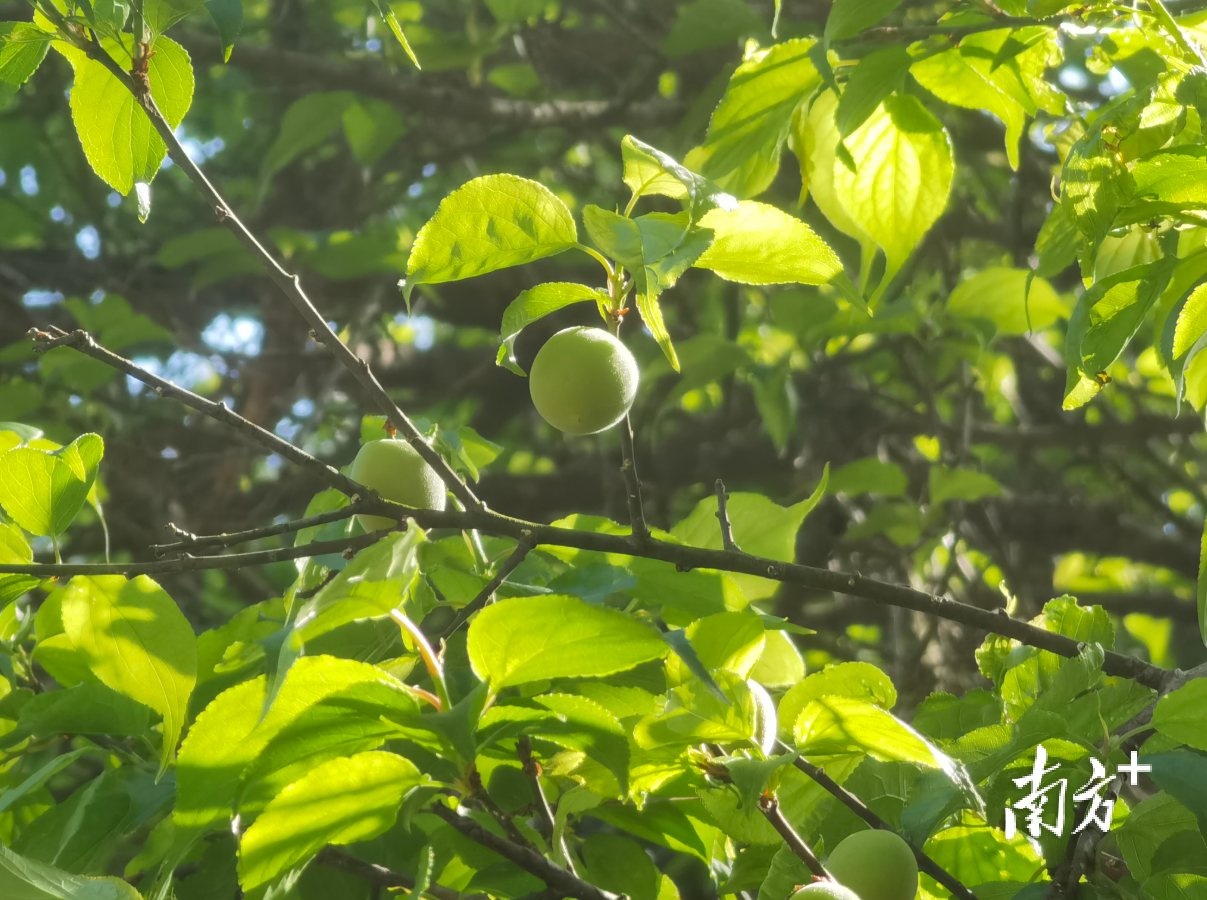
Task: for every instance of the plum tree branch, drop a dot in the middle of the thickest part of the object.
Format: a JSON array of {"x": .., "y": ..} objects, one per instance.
[
  {"x": 532, "y": 770},
  {"x": 380, "y": 875},
  {"x": 857, "y": 806},
  {"x": 517, "y": 556},
  {"x": 188, "y": 563},
  {"x": 192, "y": 541},
  {"x": 648, "y": 547},
  {"x": 727, "y": 541},
  {"x": 769, "y": 805},
  {"x": 528, "y": 860},
  {"x": 289, "y": 284}
]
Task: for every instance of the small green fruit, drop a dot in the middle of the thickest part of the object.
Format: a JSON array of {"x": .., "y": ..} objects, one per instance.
[
  {"x": 583, "y": 380},
  {"x": 397, "y": 472},
  {"x": 876, "y": 865},
  {"x": 825, "y": 890}
]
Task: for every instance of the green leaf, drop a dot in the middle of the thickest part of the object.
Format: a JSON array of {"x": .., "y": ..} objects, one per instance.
[
  {"x": 1014, "y": 300},
  {"x": 838, "y": 726},
  {"x": 755, "y": 115},
  {"x": 531, "y": 305},
  {"x": 960, "y": 484},
  {"x": 903, "y": 172},
  {"x": 1191, "y": 322},
  {"x": 849, "y": 17},
  {"x": 228, "y": 19},
  {"x": 586, "y": 727},
  {"x": 1182, "y": 774},
  {"x": 728, "y": 640},
  {"x": 229, "y": 735},
  {"x": 14, "y": 551},
  {"x": 340, "y": 802},
  {"x": 856, "y": 680},
  {"x": 1201, "y": 588},
  {"x": 1094, "y": 185},
  {"x": 869, "y": 476},
  {"x": 88, "y": 708},
  {"x": 524, "y": 639},
  {"x": 1107, "y": 316},
  {"x": 372, "y": 127},
  {"x": 23, "y": 46},
  {"x": 750, "y": 775},
  {"x": 980, "y": 855},
  {"x": 945, "y": 717},
  {"x": 786, "y": 872},
  {"x": 966, "y": 76},
  {"x": 490, "y": 223},
  {"x": 118, "y": 139},
  {"x": 698, "y": 715},
  {"x": 709, "y": 23},
  {"x": 138, "y": 643},
  {"x": 760, "y": 526},
  {"x": 1179, "y": 715},
  {"x": 759, "y": 244},
  {"x": 877, "y": 75},
  {"x": 42, "y": 491},
  {"x": 620, "y": 865},
  {"x": 387, "y": 15},
  {"x": 26, "y": 879},
  {"x": 1151, "y": 822},
  {"x": 353, "y": 720},
  {"x": 308, "y": 123},
  {"x": 648, "y": 170}
]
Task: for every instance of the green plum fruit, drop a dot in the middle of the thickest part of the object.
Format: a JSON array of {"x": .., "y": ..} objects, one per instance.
[
  {"x": 825, "y": 890},
  {"x": 583, "y": 380},
  {"x": 876, "y": 865},
  {"x": 397, "y": 472}
]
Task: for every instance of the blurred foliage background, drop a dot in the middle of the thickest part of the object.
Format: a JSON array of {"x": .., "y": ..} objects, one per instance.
[{"x": 953, "y": 467}]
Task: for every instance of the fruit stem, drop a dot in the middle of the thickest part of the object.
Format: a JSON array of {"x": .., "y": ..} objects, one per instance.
[
  {"x": 769, "y": 805},
  {"x": 628, "y": 457}
]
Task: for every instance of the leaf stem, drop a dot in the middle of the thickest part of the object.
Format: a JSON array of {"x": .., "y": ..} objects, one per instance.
[
  {"x": 603, "y": 260},
  {"x": 430, "y": 658}
]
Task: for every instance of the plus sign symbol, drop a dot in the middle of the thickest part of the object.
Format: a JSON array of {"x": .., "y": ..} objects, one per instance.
[{"x": 1133, "y": 768}]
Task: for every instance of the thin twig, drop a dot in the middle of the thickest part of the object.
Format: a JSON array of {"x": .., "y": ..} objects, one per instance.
[
  {"x": 484, "y": 596},
  {"x": 632, "y": 481},
  {"x": 289, "y": 284},
  {"x": 528, "y": 860},
  {"x": 188, "y": 563},
  {"x": 191, "y": 542},
  {"x": 380, "y": 875},
  {"x": 855, "y": 805},
  {"x": 549, "y": 824},
  {"x": 723, "y": 517},
  {"x": 769, "y": 805},
  {"x": 82, "y": 341}
]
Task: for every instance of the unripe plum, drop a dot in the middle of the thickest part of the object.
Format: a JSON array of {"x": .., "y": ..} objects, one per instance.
[
  {"x": 397, "y": 472},
  {"x": 583, "y": 380},
  {"x": 825, "y": 890},
  {"x": 876, "y": 865}
]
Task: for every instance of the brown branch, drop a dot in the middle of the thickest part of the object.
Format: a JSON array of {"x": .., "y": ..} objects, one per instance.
[
  {"x": 857, "y": 806},
  {"x": 632, "y": 481},
  {"x": 82, "y": 341},
  {"x": 192, "y": 541},
  {"x": 769, "y": 805},
  {"x": 290, "y": 285},
  {"x": 533, "y": 770},
  {"x": 723, "y": 517},
  {"x": 485, "y": 595},
  {"x": 188, "y": 563},
  {"x": 530, "y": 861},
  {"x": 380, "y": 875}
]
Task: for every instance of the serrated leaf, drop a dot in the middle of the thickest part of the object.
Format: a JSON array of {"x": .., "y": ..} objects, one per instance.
[
  {"x": 838, "y": 726},
  {"x": 697, "y": 715},
  {"x": 1191, "y": 321},
  {"x": 533, "y": 304},
  {"x": 1179, "y": 715},
  {"x": 340, "y": 802},
  {"x": 754, "y": 117},
  {"x": 855, "y": 680},
  {"x": 372, "y": 127},
  {"x": 138, "y": 643},
  {"x": 759, "y": 244},
  {"x": 23, "y": 46},
  {"x": 307, "y": 123},
  {"x": 524, "y": 639},
  {"x": 22, "y": 878},
  {"x": 903, "y": 173},
  {"x": 490, "y": 223},
  {"x": 647, "y": 170},
  {"x": 118, "y": 138},
  {"x": 43, "y": 491},
  {"x": 14, "y": 551}
]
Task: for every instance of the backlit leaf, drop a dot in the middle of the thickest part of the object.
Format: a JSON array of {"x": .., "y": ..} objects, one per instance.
[{"x": 531, "y": 305}]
